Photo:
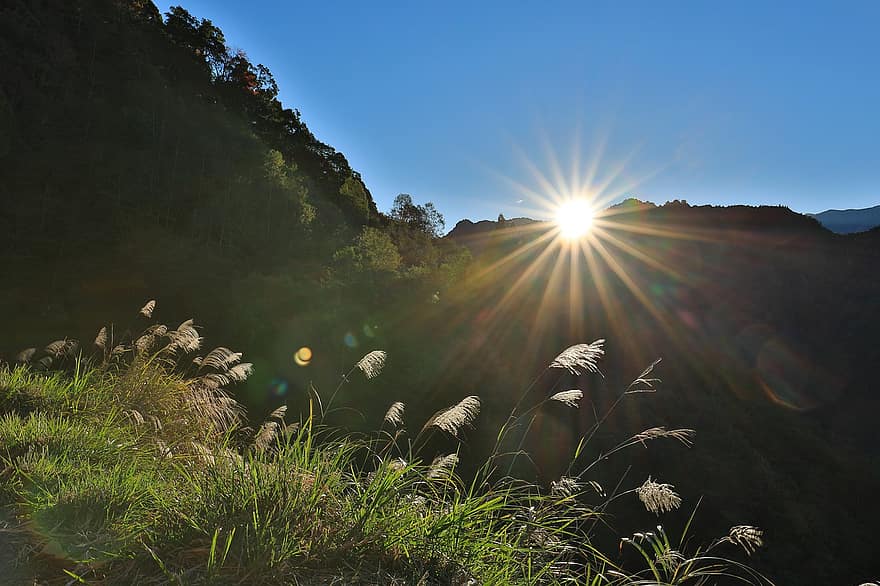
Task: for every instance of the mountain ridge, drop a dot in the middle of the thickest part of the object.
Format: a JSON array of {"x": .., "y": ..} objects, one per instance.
[{"x": 849, "y": 221}]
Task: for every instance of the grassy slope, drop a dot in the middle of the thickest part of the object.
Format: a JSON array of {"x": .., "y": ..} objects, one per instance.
[{"x": 126, "y": 467}]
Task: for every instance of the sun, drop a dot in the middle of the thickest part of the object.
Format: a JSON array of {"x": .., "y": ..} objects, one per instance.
[{"x": 574, "y": 218}]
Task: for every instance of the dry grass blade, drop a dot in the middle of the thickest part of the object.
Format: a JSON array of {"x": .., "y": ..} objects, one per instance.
[
  {"x": 371, "y": 364},
  {"x": 101, "y": 338},
  {"x": 442, "y": 466},
  {"x": 394, "y": 415},
  {"x": 135, "y": 416},
  {"x": 658, "y": 497},
  {"x": 25, "y": 355},
  {"x": 685, "y": 436},
  {"x": 452, "y": 419},
  {"x": 747, "y": 537},
  {"x": 569, "y": 398},
  {"x": 147, "y": 309},
  {"x": 220, "y": 359},
  {"x": 580, "y": 358},
  {"x": 597, "y": 487}
]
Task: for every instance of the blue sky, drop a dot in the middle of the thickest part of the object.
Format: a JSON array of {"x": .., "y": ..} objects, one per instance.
[{"x": 713, "y": 102}]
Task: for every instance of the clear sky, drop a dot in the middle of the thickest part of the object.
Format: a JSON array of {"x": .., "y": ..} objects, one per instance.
[{"x": 712, "y": 102}]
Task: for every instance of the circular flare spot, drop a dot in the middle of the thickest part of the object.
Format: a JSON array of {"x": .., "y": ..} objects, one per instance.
[{"x": 303, "y": 356}]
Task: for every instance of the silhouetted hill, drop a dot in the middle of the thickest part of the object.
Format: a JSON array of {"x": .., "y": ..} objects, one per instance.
[{"x": 849, "y": 221}]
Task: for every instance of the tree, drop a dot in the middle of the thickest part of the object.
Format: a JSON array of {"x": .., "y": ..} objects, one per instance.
[
  {"x": 373, "y": 250},
  {"x": 423, "y": 218}
]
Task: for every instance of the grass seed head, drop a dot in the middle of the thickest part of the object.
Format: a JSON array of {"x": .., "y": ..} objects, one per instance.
[
  {"x": 658, "y": 497},
  {"x": 580, "y": 358},
  {"x": 371, "y": 364},
  {"x": 569, "y": 398}
]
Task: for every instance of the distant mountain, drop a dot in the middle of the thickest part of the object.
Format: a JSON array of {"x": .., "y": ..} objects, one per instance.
[{"x": 849, "y": 221}]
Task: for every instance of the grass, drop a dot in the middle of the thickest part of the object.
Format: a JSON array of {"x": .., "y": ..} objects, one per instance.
[{"x": 130, "y": 463}]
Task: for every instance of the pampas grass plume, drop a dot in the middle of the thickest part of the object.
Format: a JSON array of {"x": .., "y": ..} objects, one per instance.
[{"x": 580, "y": 358}]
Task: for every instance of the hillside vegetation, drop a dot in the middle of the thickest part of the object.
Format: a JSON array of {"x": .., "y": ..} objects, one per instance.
[
  {"x": 128, "y": 462},
  {"x": 142, "y": 157}
]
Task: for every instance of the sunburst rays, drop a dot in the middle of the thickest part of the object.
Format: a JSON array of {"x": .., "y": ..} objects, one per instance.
[{"x": 593, "y": 244}]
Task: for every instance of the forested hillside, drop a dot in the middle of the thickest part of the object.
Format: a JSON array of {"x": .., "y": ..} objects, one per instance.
[{"x": 143, "y": 157}]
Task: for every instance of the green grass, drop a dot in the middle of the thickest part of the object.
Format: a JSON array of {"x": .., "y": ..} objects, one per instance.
[{"x": 135, "y": 466}]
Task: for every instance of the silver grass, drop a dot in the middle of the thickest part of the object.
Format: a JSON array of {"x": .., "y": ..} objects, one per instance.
[
  {"x": 157, "y": 330},
  {"x": 394, "y": 415},
  {"x": 278, "y": 413},
  {"x": 240, "y": 372},
  {"x": 185, "y": 338},
  {"x": 45, "y": 361},
  {"x": 120, "y": 349},
  {"x": 213, "y": 405},
  {"x": 371, "y": 364},
  {"x": 58, "y": 348},
  {"x": 442, "y": 466},
  {"x": 198, "y": 360},
  {"x": 452, "y": 419},
  {"x": 657, "y": 497},
  {"x": 580, "y": 358},
  {"x": 564, "y": 487},
  {"x": 101, "y": 338},
  {"x": 685, "y": 436},
  {"x": 569, "y": 398},
  {"x": 147, "y": 309},
  {"x": 643, "y": 384},
  {"x": 220, "y": 359},
  {"x": 747, "y": 537},
  {"x": 397, "y": 464},
  {"x": 145, "y": 343},
  {"x": 266, "y": 435},
  {"x": 215, "y": 380},
  {"x": 25, "y": 355}
]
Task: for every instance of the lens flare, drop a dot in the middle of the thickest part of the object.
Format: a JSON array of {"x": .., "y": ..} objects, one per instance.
[
  {"x": 278, "y": 386},
  {"x": 303, "y": 356}
]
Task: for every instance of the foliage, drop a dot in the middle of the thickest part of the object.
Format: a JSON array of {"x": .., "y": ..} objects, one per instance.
[{"x": 422, "y": 218}]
